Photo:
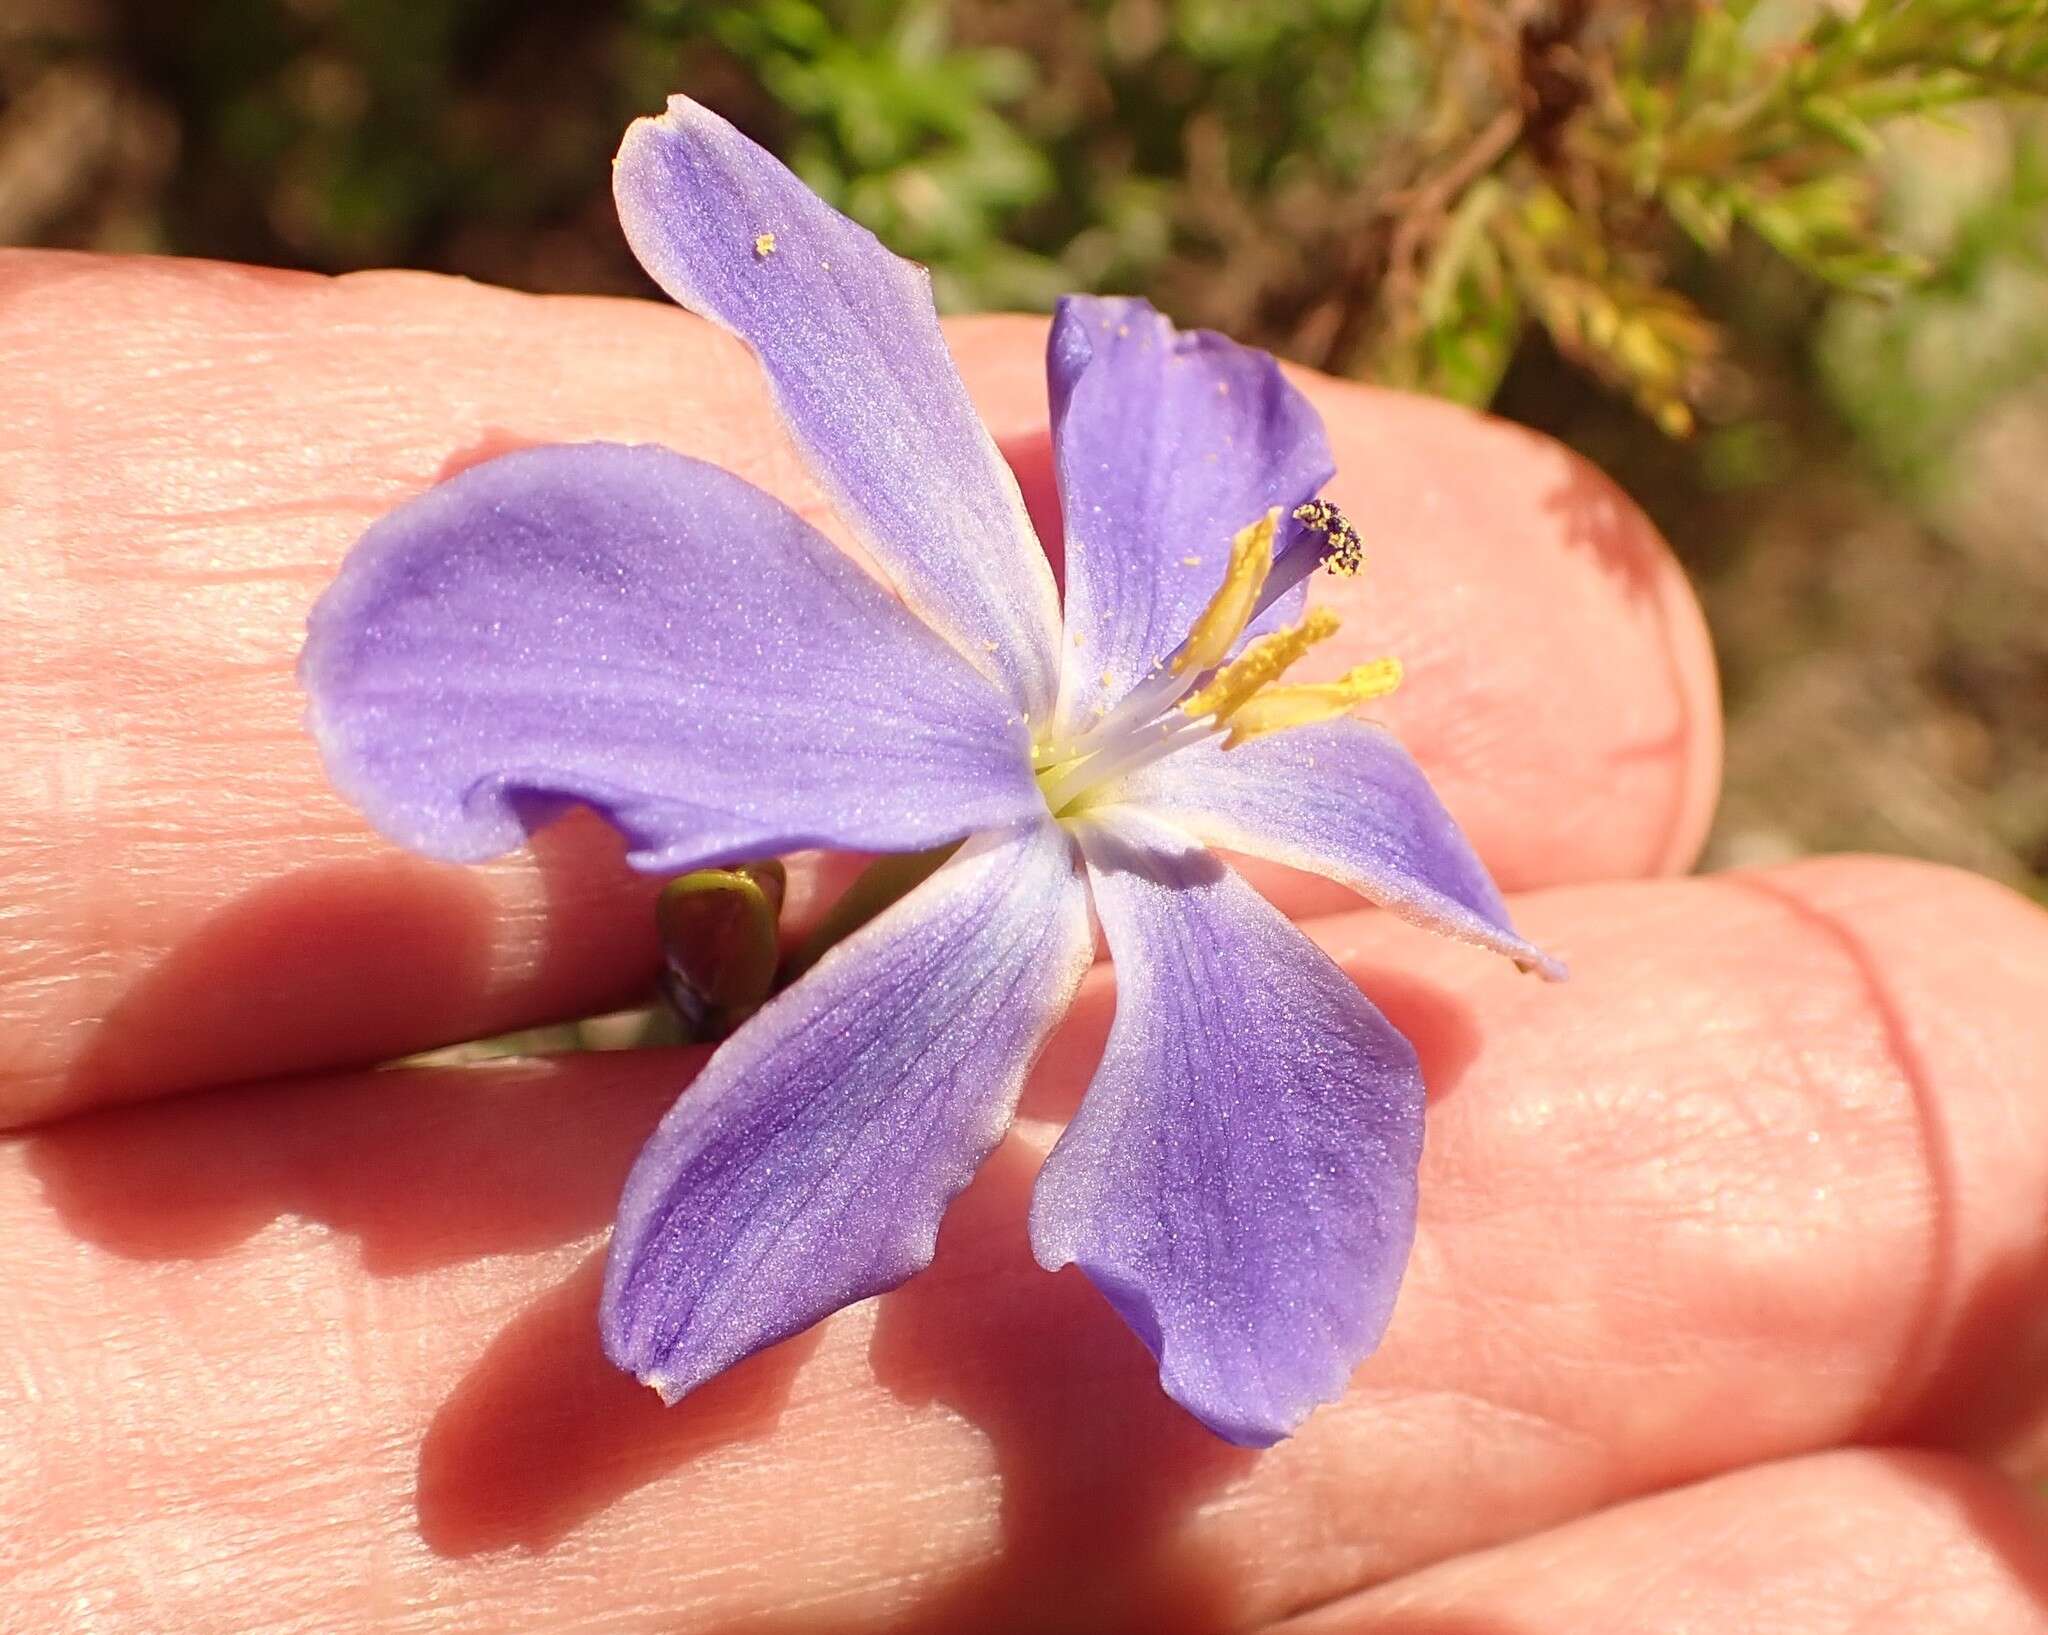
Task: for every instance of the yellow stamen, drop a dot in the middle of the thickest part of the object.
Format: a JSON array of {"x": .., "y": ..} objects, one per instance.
[
  {"x": 1230, "y": 609},
  {"x": 1303, "y": 706},
  {"x": 1260, "y": 664}
]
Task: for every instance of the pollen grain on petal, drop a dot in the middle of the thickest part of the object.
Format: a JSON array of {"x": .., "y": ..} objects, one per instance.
[{"x": 764, "y": 245}]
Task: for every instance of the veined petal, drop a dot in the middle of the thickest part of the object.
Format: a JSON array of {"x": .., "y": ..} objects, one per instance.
[
  {"x": 651, "y": 636},
  {"x": 1344, "y": 800},
  {"x": 1240, "y": 1181},
  {"x": 1167, "y": 444},
  {"x": 850, "y": 342},
  {"x": 809, "y": 1164}
]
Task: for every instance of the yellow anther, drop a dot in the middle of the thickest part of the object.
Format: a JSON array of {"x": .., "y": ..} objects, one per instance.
[
  {"x": 1278, "y": 708},
  {"x": 1259, "y": 665},
  {"x": 1230, "y": 609}
]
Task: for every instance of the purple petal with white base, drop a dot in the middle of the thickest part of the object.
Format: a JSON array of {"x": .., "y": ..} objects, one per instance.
[
  {"x": 1240, "y": 1181},
  {"x": 851, "y": 345},
  {"x": 1344, "y": 800},
  {"x": 656, "y": 638},
  {"x": 808, "y": 1166},
  {"x": 1167, "y": 443}
]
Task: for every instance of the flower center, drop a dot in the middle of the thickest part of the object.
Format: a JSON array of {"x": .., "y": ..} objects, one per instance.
[{"x": 1199, "y": 692}]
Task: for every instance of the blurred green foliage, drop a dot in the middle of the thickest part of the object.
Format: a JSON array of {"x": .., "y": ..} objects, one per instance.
[
  {"x": 1914, "y": 373},
  {"x": 1394, "y": 188}
]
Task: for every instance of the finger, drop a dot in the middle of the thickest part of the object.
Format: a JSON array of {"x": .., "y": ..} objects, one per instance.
[
  {"x": 190, "y": 449},
  {"x": 1836, "y": 1544},
  {"x": 1770, "y": 1174}
]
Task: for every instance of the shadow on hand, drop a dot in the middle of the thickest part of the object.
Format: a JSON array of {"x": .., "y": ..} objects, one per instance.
[
  {"x": 1973, "y": 1373},
  {"x": 327, "y": 966},
  {"x": 1594, "y": 515},
  {"x": 1098, "y": 1468},
  {"x": 544, "y": 1433},
  {"x": 1443, "y": 1027},
  {"x": 345, "y": 964},
  {"x": 1099, "y": 1473},
  {"x": 426, "y": 1167},
  {"x": 1970, "y": 1376}
]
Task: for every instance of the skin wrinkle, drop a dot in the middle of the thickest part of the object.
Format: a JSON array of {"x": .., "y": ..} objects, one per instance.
[
  {"x": 1698, "y": 930},
  {"x": 1878, "y": 1540},
  {"x": 1938, "y": 1277}
]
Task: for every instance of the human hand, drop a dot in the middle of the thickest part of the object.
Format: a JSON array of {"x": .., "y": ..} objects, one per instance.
[{"x": 1766, "y": 1179}]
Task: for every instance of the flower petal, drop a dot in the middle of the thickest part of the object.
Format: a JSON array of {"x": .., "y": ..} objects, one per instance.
[
  {"x": 1240, "y": 1181},
  {"x": 850, "y": 342},
  {"x": 1341, "y": 799},
  {"x": 809, "y": 1165},
  {"x": 652, "y": 636},
  {"x": 1167, "y": 443}
]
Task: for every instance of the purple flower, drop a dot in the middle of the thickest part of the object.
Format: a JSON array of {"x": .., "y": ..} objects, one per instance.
[{"x": 641, "y": 633}]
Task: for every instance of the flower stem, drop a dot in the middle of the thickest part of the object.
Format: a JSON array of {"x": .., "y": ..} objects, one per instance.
[{"x": 885, "y": 881}]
